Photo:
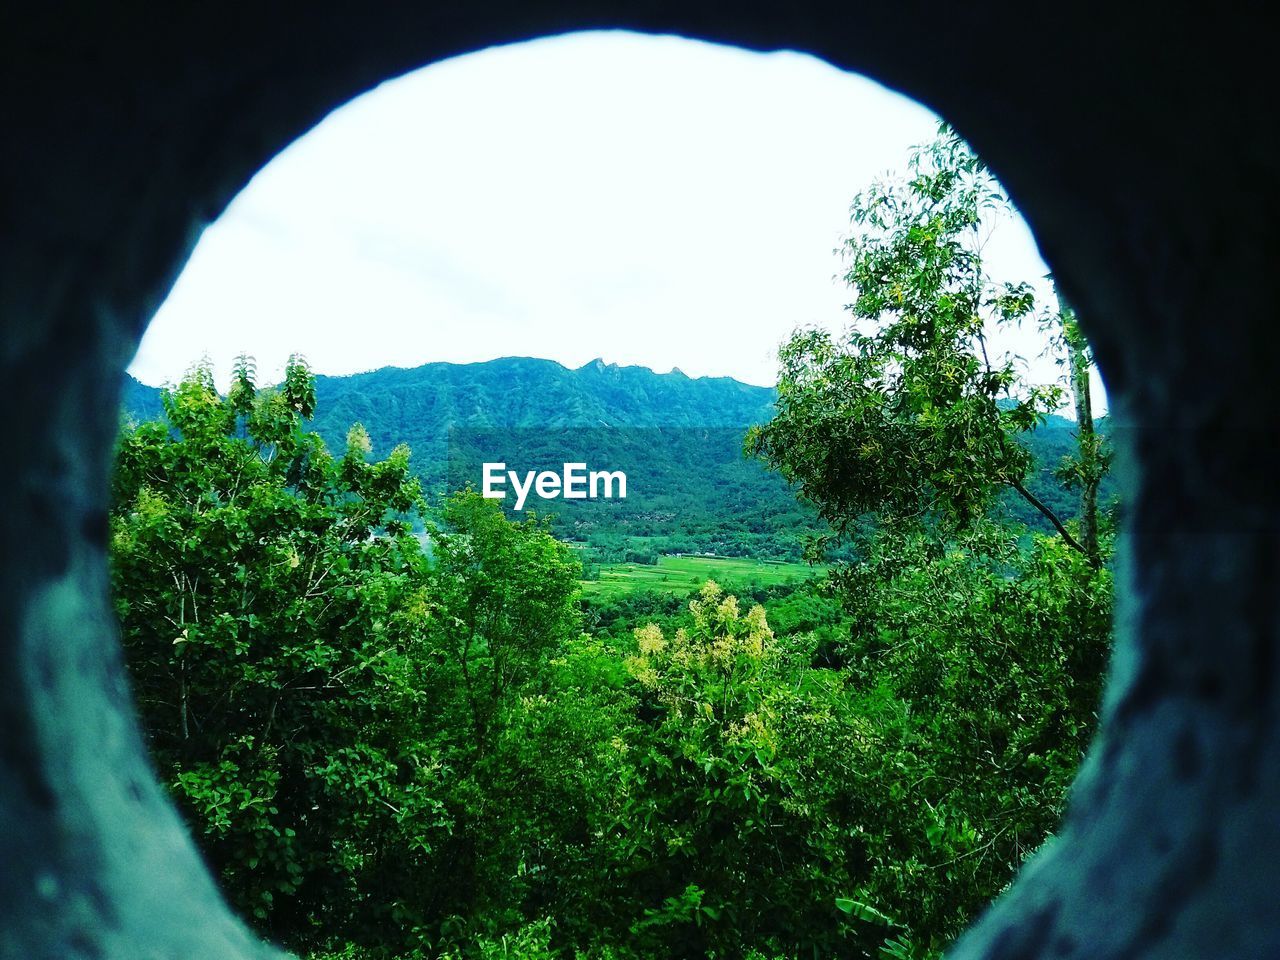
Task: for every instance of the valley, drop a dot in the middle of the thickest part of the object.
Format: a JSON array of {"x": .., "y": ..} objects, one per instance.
[{"x": 679, "y": 441}]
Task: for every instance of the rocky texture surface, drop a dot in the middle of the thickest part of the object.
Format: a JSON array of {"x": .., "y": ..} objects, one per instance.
[{"x": 1139, "y": 142}]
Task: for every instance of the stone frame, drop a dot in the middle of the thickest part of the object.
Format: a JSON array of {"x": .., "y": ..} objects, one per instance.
[{"x": 1140, "y": 144}]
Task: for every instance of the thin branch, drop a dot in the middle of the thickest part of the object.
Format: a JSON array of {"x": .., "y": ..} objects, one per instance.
[{"x": 1052, "y": 517}]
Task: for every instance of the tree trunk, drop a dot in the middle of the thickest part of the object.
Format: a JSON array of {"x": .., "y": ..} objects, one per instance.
[{"x": 1086, "y": 436}]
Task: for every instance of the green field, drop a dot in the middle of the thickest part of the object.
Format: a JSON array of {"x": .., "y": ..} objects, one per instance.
[{"x": 683, "y": 574}]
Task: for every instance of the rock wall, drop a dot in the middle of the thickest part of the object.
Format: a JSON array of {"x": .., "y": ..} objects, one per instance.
[{"x": 1140, "y": 144}]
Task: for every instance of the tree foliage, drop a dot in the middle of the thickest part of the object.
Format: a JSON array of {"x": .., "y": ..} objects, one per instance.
[
  {"x": 909, "y": 414},
  {"x": 399, "y": 746},
  {"x": 266, "y": 592}
]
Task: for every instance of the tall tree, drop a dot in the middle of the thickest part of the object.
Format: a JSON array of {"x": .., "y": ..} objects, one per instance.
[
  {"x": 268, "y": 595},
  {"x": 1086, "y": 468},
  {"x": 909, "y": 414}
]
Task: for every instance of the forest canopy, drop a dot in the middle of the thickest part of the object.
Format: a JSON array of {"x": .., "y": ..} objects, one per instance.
[{"x": 400, "y": 729}]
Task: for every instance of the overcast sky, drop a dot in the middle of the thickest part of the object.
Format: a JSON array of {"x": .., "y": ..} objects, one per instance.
[{"x": 648, "y": 200}]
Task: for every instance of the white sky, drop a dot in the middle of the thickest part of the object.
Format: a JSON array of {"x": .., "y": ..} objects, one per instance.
[{"x": 649, "y": 200}]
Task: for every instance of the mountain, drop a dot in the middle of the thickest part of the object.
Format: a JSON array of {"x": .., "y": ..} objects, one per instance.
[
  {"x": 419, "y": 406},
  {"x": 140, "y": 401},
  {"x": 678, "y": 440}
]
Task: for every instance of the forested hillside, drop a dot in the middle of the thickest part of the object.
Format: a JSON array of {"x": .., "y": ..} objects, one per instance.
[{"x": 678, "y": 439}]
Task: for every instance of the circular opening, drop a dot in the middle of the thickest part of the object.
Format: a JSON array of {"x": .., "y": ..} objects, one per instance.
[{"x": 819, "y": 700}]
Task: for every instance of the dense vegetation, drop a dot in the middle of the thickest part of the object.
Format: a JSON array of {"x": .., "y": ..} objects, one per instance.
[
  {"x": 400, "y": 727},
  {"x": 681, "y": 574},
  {"x": 679, "y": 440}
]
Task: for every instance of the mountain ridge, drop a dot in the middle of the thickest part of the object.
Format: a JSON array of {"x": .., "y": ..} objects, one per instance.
[{"x": 678, "y": 438}]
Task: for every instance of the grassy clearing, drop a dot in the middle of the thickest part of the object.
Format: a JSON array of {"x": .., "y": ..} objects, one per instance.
[{"x": 682, "y": 574}]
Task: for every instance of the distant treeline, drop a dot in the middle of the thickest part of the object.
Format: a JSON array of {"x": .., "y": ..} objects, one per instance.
[{"x": 679, "y": 440}]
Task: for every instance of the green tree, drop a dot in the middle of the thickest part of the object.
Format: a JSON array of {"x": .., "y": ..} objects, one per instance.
[
  {"x": 909, "y": 415},
  {"x": 272, "y": 602},
  {"x": 1088, "y": 465},
  {"x": 505, "y": 597},
  {"x": 979, "y": 665},
  {"x": 522, "y": 721},
  {"x": 974, "y": 653},
  {"x": 375, "y": 744},
  {"x": 736, "y": 833}
]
